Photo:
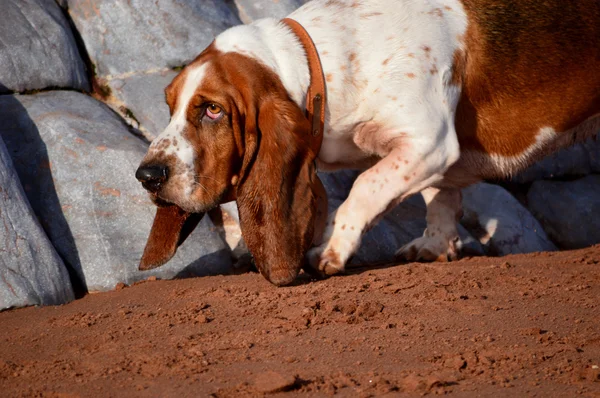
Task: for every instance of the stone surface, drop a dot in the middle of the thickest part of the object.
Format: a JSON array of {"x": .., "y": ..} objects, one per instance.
[
  {"x": 76, "y": 160},
  {"x": 575, "y": 161},
  {"x": 338, "y": 184},
  {"x": 568, "y": 210},
  {"x": 31, "y": 272},
  {"x": 142, "y": 97},
  {"x": 251, "y": 10},
  {"x": 37, "y": 48},
  {"x": 123, "y": 36},
  {"x": 500, "y": 222}
]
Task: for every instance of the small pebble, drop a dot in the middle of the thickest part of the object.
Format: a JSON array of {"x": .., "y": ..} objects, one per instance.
[{"x": 271, "y": 382}]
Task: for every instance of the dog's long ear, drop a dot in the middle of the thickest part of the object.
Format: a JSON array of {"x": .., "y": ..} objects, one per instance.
[
  {"x": 170, "y": 228},
  {"x": 279, "y": 193}
]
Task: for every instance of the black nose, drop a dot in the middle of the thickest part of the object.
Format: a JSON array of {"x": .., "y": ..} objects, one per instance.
[{"x": 152, "y": 176}]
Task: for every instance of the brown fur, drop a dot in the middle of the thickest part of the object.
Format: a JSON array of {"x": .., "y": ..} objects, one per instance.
[
  {"x": 264, "y": 140},
  {"x": 528, "y": 65},
  {"x": 274, "y": 201},
  {"x": 170, "y": 228}
]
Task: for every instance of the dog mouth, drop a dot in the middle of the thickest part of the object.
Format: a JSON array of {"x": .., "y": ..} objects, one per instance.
[
  {"x": 160, "y": 202},
  {"x": 164, "y": 196},
  {"x": 190, "y": 205}
]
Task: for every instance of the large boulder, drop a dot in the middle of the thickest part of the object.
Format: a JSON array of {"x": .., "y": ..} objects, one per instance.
[
  {"x": 123, "y": 36},
  {"x": 31, "y": 272},
  {"x": 76, "y": 159},
  {"x": 568, "y": 210},
  {"x": 338, "y": 184},
  {"x": 251, "y": 10},
  {"x": 37, "y": 48},
  {"x": 501, "y": 223}
]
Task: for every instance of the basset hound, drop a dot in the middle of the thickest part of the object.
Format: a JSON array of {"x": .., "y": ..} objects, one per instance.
[{"x": 424, "y": 96}]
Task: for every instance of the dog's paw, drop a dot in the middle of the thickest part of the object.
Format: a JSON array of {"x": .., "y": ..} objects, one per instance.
[
  {"x": 326, "y": 260},
  {"x": 429, "y": 249}
]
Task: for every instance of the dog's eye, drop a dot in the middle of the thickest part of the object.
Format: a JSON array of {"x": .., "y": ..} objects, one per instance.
[{"x": 213, "y": 111}]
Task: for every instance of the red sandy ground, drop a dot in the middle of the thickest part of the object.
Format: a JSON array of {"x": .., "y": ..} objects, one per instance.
[{"x": 526, "y": 325}]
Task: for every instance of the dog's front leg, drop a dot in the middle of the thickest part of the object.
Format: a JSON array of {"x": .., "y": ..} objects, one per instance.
[{"x": 409, "y": 164}]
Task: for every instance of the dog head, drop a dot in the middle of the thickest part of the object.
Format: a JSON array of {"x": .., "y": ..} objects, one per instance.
[{"x": 235, "y": 134}]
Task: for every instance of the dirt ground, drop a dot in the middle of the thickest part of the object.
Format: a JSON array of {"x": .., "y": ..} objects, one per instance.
[{"x": 523, "y": 325}]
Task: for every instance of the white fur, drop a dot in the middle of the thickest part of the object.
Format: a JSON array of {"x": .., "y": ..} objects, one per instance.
[
  {"x": 495, "y": 165},
  {"x": 508, "y": 163},
  {"x": 339, "y": 31},
  {"x": 176, "y": 127},
  {"x": 274, "y": 45},
  {"x": 473, "y": 165}
]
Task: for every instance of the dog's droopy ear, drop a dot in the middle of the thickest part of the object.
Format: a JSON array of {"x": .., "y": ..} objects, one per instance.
[
  {"x": 171, "y": 227},
  {"x": 280, "y": 194}
]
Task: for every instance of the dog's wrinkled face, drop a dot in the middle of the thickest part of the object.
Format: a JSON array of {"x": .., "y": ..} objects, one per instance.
[
  {"x": 235, "y": 134},
  {"x": 192, "y": 163}
]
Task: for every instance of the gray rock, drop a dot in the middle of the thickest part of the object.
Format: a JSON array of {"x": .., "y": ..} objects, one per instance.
[
  {"x": 575, "y": 161},
  {"x": 76, "y": 159},
  {"x": 37, "y": 48},
  {"x": 251, "y": 10},
  {"x": 338, "y": 184},
  {"x": 568, "y": 210},
  {"x": 594, "y": 154},
  {"x": 124, "y": 36},
  {"x": 141, "y": 97},
  {"x": 31, "y": 272},
  {"x": 500, "y": 222}
]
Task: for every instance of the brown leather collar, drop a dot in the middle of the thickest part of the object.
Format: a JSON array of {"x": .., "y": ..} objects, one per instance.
[{"x": 315, "y": 97}]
